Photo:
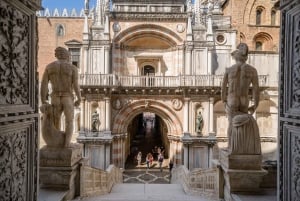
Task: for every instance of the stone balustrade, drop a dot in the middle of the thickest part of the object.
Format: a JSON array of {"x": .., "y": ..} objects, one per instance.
[
  {"x": 95, "y": 181},
  {"x": 111, "y": 80},
  {"x": 204, "y": 182}
]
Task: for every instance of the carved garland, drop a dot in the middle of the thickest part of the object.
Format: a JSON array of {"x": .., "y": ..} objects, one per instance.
[{"x": 14, "y": 40}]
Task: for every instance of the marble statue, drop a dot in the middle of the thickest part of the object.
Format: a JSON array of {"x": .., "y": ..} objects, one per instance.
[
  {"x": 86, "y": 4},
  {"x": 63, "y": 77},
  {"x": 199, "y": 123},
  {"x": 243, "y": 133},
  {"x": 95, "y": 121}
]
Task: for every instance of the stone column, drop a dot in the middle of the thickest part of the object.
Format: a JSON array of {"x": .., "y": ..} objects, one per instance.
[
  {"x": 211, "y": 115},
  {"x": 186, "y": 155},
  {"x": 209, "y": 64},
  {"x": 159, "y": 67},
  {"x": 85, "y": 62},
  {"x": 85, "y": 114},
  {"x": 107, "y": 155},
  {"x": 188, "y": 60},
  {"x": 89, "y": 113},
  {"x": 82, "y": 116},
  {"x": 107, "y": 114},
  {"x": 106, "y": 60},
  {"x": 186, "y": 115}
]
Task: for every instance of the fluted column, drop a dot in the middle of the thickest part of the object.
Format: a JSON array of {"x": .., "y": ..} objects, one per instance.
[{"x": 107, "y": 114}]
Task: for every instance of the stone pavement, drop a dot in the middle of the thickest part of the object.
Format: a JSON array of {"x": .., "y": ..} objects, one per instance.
[
  {"x": 147, "y": 192},
  {"x": 146, "y": 176}
]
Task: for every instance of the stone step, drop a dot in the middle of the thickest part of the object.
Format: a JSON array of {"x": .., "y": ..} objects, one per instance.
[{"x": 141, "y": 192}]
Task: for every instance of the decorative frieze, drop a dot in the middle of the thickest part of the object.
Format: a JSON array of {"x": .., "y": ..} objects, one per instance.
[{"x": 148, "y": 16}]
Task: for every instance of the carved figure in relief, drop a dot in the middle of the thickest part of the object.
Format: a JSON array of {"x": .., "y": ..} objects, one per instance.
[
  {"x": 243, "y": 134},
  {"x": 95, "y": 121},
  {"x": 63, "y": 77}
]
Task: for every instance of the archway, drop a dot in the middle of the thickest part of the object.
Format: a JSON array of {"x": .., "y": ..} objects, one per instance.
[
  {"x": 146, "y": 134},
  {"x": 127, "y": 119}
]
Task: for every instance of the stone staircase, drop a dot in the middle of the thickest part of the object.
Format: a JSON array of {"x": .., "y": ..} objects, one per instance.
[{"x": 141, "y": 192}]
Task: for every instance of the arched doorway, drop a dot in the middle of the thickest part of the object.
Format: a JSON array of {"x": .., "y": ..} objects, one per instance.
[
  {"x": 125, "y": 124},
  {"x": 149, "y": 70},
  {"x": 147, "y": 135}
]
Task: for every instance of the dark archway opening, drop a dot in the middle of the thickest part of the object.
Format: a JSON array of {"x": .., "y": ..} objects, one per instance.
[{"x": 147, "y": 133}]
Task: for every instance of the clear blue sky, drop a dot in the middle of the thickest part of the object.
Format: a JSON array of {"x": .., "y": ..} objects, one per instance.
[{"x": 68, "y": 4}]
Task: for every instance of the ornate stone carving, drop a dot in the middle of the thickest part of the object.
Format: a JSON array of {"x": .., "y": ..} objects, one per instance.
[
  {"x": 116, "y": 27},
  {"x": 177, "y": 104},
  {"x": 14, "y": 55},
  {"x": 296, "y": 165},
  {"x": 117, "y": 104},
  {"x": 296, "y": 66},
  {"x": 13, "y": 165},
  {"x": 149, "y": 16},
  {"x": 180, "y": 28}
]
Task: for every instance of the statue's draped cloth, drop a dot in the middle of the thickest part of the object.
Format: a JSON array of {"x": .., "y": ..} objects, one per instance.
[{"x": 245, "y": 135}]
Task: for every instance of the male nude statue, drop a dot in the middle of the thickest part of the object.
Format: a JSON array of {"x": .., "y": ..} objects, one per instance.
[
  {"x": 236, "y": 85},
  {"x": 63, "y": 77}
]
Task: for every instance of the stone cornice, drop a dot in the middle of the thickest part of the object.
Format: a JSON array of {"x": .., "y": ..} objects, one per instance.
[{"x": 149, "y": 16}]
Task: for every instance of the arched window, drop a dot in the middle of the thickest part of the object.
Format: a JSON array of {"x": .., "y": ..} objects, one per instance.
[
  {"x": 273, "y": 17},
  {"x": 60, "y": 30},
  {"x": 259, "y": 12},
  {"x": 258, "y": 46}
]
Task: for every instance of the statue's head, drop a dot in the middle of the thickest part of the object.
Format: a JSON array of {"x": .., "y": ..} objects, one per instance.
[
  {"x": 241, "y": 54},
  {"x": 62, "y": 53}
]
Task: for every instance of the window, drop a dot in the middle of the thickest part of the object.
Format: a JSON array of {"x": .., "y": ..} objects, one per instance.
[
  {"x": 273, "y": 17},
  {"x": 75, "y": 56},
  {"x": 258, "y": 46},
  {"x": 60, "y": 30},
  {"x": 258, "y": 16}
]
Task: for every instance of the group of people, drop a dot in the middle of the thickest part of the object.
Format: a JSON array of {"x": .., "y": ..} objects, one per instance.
[{"x": 150, "y": 159}]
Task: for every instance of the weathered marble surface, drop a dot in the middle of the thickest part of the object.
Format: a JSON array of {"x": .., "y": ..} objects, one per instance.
[
  {"x": 243, "y": 134},
  {"x": 63, "y": 77}
]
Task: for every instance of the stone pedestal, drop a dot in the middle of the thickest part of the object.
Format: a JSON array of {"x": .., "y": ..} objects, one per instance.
[
  {"x": 59, "y": 169},
  {"x": 240, "y": 162},
  {"x": 242, "y": 173}
]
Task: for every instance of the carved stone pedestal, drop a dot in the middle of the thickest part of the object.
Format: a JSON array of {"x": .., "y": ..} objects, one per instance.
[
  {"x": 59, "y": 169},
  {"x": 242, "y": 173}
]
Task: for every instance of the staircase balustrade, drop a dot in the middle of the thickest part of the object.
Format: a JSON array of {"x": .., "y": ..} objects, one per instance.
[
  {"x": 204, "y": 182},
  {"x": 95, "y": 181}
]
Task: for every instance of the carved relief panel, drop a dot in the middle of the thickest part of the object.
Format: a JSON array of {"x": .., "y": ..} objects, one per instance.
[
  {"x": 289, "y": 125},
  {"x": 18, "y": 100}
]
